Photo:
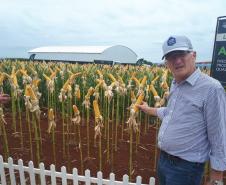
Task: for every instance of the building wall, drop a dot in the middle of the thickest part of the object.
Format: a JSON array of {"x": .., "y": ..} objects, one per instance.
[
  {"x": 120, "y": 54},
  {"x": 68, "y": 56},
  {"x": 116, "y": 53}
]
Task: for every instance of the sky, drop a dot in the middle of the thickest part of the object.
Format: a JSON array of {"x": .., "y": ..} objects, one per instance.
[{"x": 141, "y": 25}]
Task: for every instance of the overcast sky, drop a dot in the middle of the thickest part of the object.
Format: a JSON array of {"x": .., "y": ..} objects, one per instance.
[{"x": 141, "y": 25}]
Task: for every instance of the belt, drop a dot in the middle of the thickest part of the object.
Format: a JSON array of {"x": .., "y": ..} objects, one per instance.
[
  {"x": 175, "y": 158},
  {"x": 171, "y": 157}
]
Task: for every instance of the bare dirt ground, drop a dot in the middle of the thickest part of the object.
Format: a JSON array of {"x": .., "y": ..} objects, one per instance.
[{"x": 143, "y": 153}]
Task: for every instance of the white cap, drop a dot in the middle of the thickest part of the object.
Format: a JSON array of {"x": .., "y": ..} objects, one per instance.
[{"x": 175, "y": 43}]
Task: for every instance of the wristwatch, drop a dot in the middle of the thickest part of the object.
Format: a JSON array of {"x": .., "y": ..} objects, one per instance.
[{"x": 216, "y": 182}]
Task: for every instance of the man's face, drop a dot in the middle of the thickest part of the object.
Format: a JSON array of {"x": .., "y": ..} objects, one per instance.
[{"x": 181, "y": 64}]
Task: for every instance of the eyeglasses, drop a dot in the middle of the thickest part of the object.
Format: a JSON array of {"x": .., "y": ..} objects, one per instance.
[{"x": 176, "y": 54}]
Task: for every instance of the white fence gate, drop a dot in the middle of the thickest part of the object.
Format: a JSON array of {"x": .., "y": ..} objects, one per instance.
[{"x": 52, "y": 174}]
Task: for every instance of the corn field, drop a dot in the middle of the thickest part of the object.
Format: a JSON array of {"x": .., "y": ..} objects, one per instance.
[{"x": 80, "y": 113}]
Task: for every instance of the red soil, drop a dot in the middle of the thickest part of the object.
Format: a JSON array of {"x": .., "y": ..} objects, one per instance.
[{"x": 143, "y": 157}]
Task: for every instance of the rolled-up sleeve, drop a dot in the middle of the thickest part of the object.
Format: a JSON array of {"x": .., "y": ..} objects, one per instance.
[
  {"x": 161, "y": 112},
  {"x": 215, "y": 116}
]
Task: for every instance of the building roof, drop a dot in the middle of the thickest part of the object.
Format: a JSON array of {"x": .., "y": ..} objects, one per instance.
[{"x": 70, "y": 49}]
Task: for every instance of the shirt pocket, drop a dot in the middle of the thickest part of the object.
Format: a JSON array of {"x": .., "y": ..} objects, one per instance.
[{"x": 193, "y": 104}]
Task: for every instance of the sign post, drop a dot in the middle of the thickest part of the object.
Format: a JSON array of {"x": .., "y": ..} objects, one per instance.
[{"x": 218, "y": 65}]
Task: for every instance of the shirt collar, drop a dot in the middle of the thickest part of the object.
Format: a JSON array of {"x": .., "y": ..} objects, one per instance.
[{"x": 192, "y": 78}]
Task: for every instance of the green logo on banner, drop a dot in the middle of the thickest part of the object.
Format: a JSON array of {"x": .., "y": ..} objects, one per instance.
[{"x": 222, "y": 51}]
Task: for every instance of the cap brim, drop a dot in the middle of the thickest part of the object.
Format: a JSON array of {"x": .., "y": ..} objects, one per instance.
[{"x": 177, "y": 49}]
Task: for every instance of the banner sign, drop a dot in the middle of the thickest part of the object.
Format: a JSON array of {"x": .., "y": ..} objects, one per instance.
[{"x": 218, "y": 66}]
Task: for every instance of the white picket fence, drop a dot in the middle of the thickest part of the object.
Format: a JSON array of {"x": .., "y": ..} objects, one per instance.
[{"x": 52, "y": 174}]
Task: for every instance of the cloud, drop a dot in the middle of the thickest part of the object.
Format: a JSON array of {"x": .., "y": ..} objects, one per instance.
[{"x": 141, "y": 25}]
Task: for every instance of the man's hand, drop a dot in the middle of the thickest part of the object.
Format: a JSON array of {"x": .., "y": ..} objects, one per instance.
[
  {"x": 212, "y": 183},
  {"x": 215, "y": 175},
  {"x": 4, "y": 98},
  {"x": 149, "y": 110}
]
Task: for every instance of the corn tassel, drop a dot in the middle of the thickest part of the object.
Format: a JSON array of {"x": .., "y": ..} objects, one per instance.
[
  {"x": 133, "y": 97},
  {"x": 51, "y": 115},
  {"x": 47, "y": 78},
  {"x": 90, "y": 92},
  {"x": 33, "y": 71},
  {"x": 23, "y": 72},
  {"x": 165, "y": 86},
  {"x": 53, "y": 75},
  {"x": 75, "y": 109},
  {"x": 31, "y": 92},
  {"x": 143, "y": 81},
  {"x": 78, "y": 94},
  {"x": 27, "y": 93},
  {"x": 164, "y": 76},
  {"x": 52, "y": 123},
  {"x": 152, "y": 88},
  {"x": 153, "y": 81},
  {"x": 51, "y": 71},
  {"x": 96, "y": 110},
  {"x": 73, "y": 76},
  {"x": 36, "y": 82},
  {"x": 2, "y": 77},
  {"x": 138, "y": 102},
  {"x": 120, "y": 79},
  {"x": 136, "y": 81},
  {"x": 66, "y": 85},
  {"x": 99, "y": 73},
  {"x": 112, "y": 78},
  {"x": 77, "y": 118},
  {"x": 14, "y": 80}
]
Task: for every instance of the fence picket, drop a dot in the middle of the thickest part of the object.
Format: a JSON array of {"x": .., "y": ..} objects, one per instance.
[
  {"x": 64, "y": 176},
  {"x": 125, "y": 179},
  {"x": 138, "y": 180},
  {"x": 21, "y": 171},
  {"x": 75, "y": 176},
  {"x": 31, "y": 173},
  {"x": 99, "y": 178},
  {"x": 2, "y": 171},
  {"x": 53, "y": 174},
  {"x": 87, "y": 175},
  {"x": 152, "y": 181},
  {"x": 112, "y": 179},
  {"x": 11, "y": 171},
  {"x": 42, "y": 173}
]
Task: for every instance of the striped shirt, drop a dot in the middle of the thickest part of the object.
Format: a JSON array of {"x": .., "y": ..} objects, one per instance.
[{"x": 194, "y": 121}]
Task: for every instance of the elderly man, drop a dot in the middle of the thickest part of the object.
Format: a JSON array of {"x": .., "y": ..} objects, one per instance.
[{"x": 193, "y": 128}]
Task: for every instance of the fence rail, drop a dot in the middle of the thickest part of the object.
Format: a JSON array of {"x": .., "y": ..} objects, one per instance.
[{"x": 53, "y": 174}]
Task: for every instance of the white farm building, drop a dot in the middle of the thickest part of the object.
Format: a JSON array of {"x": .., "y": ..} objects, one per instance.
[{"x": 97, "y": 54}]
